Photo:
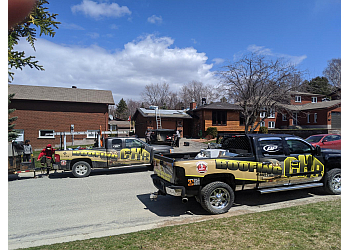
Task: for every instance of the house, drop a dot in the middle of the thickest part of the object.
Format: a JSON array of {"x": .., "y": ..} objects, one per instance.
[
  {"x": 226, "y": 117},
  {"x": 145, "y": 118},
  {"x": 322, "y": 115},
  {"x": 41, "y": 111},
  {"x": 306, "y": 110}
]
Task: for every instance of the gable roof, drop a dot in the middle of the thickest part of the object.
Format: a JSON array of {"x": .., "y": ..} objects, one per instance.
[
  {"x": 41, "y": 93},
  {"x": 310, "y": 106},
  {"x": 294, "y": 93}
]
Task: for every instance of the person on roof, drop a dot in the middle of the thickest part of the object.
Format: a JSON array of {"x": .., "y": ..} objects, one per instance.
[{"x": 47, "y": 155}]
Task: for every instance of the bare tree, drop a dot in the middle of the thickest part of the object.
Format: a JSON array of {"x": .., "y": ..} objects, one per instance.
[
  {"x": 195, "y": 91},
  {"x": 132, "y": 106},
  {"x": 157, "y": 94},
  {"x": 259, "y": 85},
  {"x": 333, "y": 72}
]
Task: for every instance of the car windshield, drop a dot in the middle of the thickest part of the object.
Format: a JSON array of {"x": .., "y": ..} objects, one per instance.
[{"x": 314, "y": 138}]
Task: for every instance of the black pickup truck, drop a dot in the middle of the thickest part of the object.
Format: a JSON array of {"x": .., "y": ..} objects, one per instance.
[
  {"x": 265, "y": 162},
  {"x": 117, "y": 152}
]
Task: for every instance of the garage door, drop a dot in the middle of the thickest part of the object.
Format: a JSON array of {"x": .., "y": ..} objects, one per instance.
[{"x": 336, "y": 121}]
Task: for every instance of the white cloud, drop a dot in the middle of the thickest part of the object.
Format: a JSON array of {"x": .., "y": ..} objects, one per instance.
[
  {"x": 261, "y": 50},
  {"x": 218, "y": 60},
  {"x": 147, "y": 60},
  {"x": 97, "y": 10},
  {"x": 155, "y": 19}
]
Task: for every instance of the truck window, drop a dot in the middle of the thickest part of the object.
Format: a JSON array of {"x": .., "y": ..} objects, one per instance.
[
  {"x": 132, "y": 143},
  {"x": 237, "y": 144},
  {"x": 271, "y": 146},
  {"x": 298, "y": 147},
  {"x": 117, "y": 143}
]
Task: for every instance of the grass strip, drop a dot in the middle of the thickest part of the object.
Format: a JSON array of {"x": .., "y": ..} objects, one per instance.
[{"x": 311, "y": 226}]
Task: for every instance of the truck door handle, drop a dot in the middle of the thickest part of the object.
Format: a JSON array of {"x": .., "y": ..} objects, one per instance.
[
  {"x": 295, "y": 161},
  {"x": 267, "y": 163}
]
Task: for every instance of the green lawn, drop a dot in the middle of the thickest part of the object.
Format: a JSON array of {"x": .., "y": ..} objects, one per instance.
[{"x": 312, "y": 226}]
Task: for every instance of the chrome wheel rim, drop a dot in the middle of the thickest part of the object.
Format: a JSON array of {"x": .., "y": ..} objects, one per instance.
[
  {"x": 219, "y": 198},
  {"x": 336, "y": 182},
  {"x": 81, "y": 169}
]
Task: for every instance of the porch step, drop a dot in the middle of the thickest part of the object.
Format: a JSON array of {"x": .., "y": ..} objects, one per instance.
[{"x": 291, "y": 187}]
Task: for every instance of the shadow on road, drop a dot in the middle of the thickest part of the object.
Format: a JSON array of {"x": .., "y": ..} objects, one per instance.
[
  {"x": 68, "y": 174},
  {"x": 169, "y": 206}
]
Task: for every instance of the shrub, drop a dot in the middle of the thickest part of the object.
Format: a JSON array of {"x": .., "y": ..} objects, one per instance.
[
  {"x": 263, "y": 130},
  {"x": 213, "y": 131}
]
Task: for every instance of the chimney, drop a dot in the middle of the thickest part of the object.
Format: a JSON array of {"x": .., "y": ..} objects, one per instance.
[{"x": 193, "y": 105}]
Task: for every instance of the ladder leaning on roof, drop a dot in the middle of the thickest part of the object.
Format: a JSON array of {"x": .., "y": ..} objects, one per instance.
[{"x": 158, "y": 119}]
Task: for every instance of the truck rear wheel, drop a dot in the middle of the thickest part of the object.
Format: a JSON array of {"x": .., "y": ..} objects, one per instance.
[
  {"x": 332, "y": 181},
  {"x": 217, "y": 197},
  {"x": 81, "y": 169}
]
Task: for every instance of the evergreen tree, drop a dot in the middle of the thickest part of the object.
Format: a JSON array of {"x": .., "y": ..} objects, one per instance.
[
  {"x": 122, "y": 109},
  {"x": 12, "y": 134},
  {"x": 38, "y": 20},
  {"x": 318, "y": 85}
]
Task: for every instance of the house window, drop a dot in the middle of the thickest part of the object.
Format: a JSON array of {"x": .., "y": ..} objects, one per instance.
[
  {"x": 271, "y": 113},
  {"x": 298, "y": 99},
  {"x": 284, "y": 117},
  {"x": 46, "y": 133},
  {"x": 262, "y": 114},
  {"x": 313, "y": 99},
  {"x": 219, "y": 117},
  {"x": 315, "y": 118},
  {"x": 241, "y": 119},
  {"x": 262, "y": 124},
  {"x": 308, "y": 118},
  {"x": 272, "y": 124},
  {"x": 295, "y": 119}
]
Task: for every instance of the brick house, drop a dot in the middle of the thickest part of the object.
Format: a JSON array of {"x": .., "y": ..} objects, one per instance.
[
  {"x": 170, "y": 119},
  {"x": 44, "y": 110},
  {"x": 306, "y": 110}
]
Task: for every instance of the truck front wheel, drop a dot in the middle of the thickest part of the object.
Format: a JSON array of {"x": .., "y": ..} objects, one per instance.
[
  {"x": 81, "y": 169},
  {"x": 332, "y": 181},
  {"x": 217, "y": 197}
]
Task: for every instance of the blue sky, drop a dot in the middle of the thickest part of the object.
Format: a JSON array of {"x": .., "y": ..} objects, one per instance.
[{"x": 122, "y": 45}]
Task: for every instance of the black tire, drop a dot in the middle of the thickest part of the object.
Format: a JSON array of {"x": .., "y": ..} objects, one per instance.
[
  {"x": 217, "y": 197},
  {"x": 81, "y": 169},
  {"x": 332, "y": 181}
]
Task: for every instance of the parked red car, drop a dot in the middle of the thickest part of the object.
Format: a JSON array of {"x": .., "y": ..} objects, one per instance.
[{"x": 325, "y": 140}]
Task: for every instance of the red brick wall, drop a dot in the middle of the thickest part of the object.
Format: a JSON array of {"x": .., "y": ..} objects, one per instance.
[{"x": 58, "y": 116}]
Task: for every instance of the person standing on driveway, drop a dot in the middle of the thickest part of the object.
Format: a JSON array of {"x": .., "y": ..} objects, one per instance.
[{"x": 27, "y": 151}]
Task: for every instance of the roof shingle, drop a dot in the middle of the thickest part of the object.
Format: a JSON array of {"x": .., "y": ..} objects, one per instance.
[{"x": 41, "y": 93}]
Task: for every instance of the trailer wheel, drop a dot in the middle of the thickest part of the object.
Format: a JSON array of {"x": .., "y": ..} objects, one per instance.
[
  {"x": 81, "y": 169},
  {"x": 217, "y": 197},
  {"x": 332, "y": 181}
]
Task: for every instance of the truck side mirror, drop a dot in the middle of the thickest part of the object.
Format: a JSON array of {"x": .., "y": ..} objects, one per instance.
[{"x": 318, "y": 150}]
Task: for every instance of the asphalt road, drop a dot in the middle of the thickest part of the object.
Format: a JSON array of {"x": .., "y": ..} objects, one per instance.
[{"x": 62, "y": 208}]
